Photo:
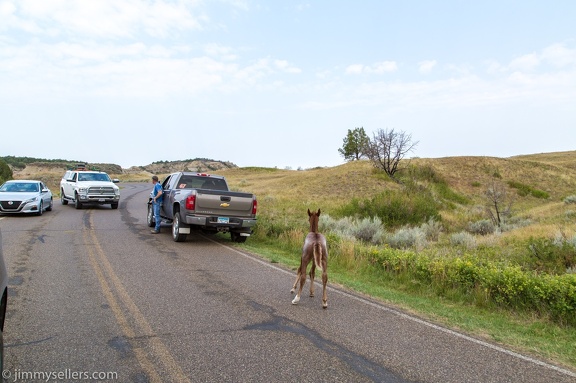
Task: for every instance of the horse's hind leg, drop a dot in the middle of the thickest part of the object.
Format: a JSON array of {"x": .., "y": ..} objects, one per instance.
[
  {"x": 324, "y": 283},
  {"x": 296, "y": 281},
  {"x": 312, "y": 275},
  {"x": 302, "y": 274}
]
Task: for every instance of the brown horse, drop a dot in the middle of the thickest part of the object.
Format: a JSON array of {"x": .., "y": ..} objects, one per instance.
[{"x": 314, "y": 248}]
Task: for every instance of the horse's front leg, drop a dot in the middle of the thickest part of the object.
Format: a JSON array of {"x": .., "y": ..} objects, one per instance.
[{"x": 312, "y": 275}]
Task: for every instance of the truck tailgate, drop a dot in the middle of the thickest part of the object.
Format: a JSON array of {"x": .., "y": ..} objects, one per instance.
[{"x": 229, "y": 204}]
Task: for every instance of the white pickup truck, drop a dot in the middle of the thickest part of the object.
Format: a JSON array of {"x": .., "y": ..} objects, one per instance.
[{"x": 89, "y": 187}]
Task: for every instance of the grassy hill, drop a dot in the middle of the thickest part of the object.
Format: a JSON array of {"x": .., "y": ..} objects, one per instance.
[{"x": 553, "y": 174}]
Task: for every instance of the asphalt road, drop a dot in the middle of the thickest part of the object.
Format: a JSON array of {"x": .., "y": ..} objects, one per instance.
[{"x": 94, "y": 295}]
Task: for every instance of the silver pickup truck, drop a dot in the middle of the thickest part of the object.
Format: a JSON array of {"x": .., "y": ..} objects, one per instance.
[{"x": 199, "y": 201}]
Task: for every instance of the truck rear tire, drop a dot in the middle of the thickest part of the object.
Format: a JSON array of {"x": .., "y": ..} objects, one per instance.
[
  {"x": 236, "y": 237},
  {"x": 150, "y": 221},
  {"x": 176, "y": 236}
]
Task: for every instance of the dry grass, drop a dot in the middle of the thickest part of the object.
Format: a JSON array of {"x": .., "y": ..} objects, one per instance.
[{"x": 328, "y": 188}]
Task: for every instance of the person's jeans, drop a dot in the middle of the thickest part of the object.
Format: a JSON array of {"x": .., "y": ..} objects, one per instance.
[{"x": 156, "y": 207}]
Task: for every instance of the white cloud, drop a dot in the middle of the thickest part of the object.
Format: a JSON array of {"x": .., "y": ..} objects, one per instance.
[
  {"x": 525, "y": 63},
  {"x": 426, "y": 66},
  {"x": 376, "y": 68},
  {"x": 102, "y": 18},
  {"x": 223, "y": 52},
  {"x": 355, "y": 69},
  {"x": 494, "y": 67},
  {"x": 559, "y": 56},
  {"x": 383, "y": 67},
  {"x": 284, "y": 66}
]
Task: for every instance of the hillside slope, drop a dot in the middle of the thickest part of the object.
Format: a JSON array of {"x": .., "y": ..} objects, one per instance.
[
  {"x": 328, "y": 188},
  {"x": 550, "y": 173}
]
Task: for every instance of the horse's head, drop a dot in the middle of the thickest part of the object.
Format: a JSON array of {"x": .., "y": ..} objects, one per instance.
[{"x": 313, "y": 219}]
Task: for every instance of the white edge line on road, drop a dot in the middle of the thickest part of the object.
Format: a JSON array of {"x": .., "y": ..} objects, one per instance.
[{"x": 414, "y": 319}]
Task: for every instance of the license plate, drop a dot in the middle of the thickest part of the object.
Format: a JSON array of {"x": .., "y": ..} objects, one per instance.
[
  {"x": 223, "y": 220},
  {"x": 101, "y": 200}
]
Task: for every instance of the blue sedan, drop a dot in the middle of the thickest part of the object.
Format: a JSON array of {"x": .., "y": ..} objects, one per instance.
[{"x": 25, "y": 196}]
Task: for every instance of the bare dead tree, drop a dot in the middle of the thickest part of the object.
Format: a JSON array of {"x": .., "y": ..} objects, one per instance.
[
  {"x": 499, "y": 205},
  {"x": 387, "y": 148}
]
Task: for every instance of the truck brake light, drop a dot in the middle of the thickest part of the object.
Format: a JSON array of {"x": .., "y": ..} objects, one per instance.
[
  {"x": 191, "y": 202},
  {"x": 254, "y": 206}
]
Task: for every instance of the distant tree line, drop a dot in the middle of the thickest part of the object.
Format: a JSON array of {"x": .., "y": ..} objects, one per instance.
[
  {"x": 188, "y": 160},
  {"x": 21, "y": 162}
]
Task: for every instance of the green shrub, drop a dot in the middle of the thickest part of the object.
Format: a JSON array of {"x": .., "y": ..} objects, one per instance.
[
  {"x": 552, "y": 256},
  {"x": 422, "y": 173},
  {"x": 524, "y": 190},
  {"x": 570, "y": 199},
  {"x": 512, "y": 223},
  {"x": 369, "y": 230},
  {"x": 340, "y": 227},
  {"x": 427, "y": 174},
  {"x": 395, "y": 208},
  {"x": 463, "y": 239},
  {"x": 408, "y": 237},
  {"x": 482, "y": 227},
  {"x": 482, "y": 282},
  {"x": 448, "y": 194},
  {"x": 432, "y": 229}
]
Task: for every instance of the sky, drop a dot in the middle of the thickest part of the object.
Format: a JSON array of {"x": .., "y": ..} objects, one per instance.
[{"x": 279, "y": 83}]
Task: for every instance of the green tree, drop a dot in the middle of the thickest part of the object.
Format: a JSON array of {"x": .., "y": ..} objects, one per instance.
[
  {"x": 355, "y": 144},
  {"x": 5, "y": 172}
]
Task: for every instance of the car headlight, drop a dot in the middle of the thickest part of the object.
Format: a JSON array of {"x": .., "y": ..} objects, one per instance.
[
  {"x": 117, "y": 191},
  {"x": 82, "y": 190},
  {"x": 31, "y": 200}
]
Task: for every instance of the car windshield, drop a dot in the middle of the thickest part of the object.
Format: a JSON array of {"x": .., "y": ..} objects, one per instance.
[
  {"x": 20, "y": 187},
  {"x": 93, "y": 177}
]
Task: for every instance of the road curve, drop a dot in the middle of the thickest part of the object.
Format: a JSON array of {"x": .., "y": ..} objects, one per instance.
[{"x": 93, "y": 293}]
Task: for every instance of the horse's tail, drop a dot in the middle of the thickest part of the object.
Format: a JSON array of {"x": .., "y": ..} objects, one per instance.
[{"x": 318, "y": 255}]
